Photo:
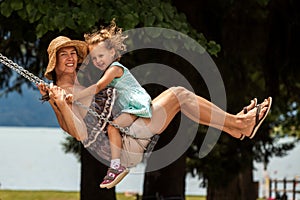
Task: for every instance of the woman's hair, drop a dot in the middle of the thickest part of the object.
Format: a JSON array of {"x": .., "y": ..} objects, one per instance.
[
  {"x": 112, "y": 37},
  {"x": 54, "y": 77}
]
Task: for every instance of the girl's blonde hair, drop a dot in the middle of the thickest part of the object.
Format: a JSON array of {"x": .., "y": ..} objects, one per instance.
[{"x": 112, "y": 37}]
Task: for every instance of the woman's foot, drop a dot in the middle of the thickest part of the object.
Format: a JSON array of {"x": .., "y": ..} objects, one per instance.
[
  {"x": 255, "y": 117},
  {"x": 235, "y": 130},
  {"x": 245, "y": 111}
]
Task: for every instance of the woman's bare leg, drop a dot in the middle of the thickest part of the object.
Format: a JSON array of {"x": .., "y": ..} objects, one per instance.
[
  {"x": 176, "y": 99},
  {"x": 125, "y": 119},
  {"x": 198, "y": 109}
]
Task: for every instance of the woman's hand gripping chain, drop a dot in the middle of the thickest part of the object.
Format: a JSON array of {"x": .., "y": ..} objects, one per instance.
[{"x": 57, "y": 94}]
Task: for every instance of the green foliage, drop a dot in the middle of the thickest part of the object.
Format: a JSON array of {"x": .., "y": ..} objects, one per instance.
[
  {"x": 81, "y": 16},
  {"x": 263, "y": 2},
  {"x": 287, "y": 124},
  {"x": 71, "y": 145},
  {"x": 32, "y": 24}
]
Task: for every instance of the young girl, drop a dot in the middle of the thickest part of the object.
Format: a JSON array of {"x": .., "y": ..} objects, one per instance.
[{"x": 105, "y": 48}]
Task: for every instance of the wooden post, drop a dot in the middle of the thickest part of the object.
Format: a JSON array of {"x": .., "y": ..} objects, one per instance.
[
  {"x": 283, "y": 188},
  {"x": 284, "y": 195},
  {"x": 294, "y": 189},
  {"x": 270, "y": 188},
  {"x": 275, "y": 188}
]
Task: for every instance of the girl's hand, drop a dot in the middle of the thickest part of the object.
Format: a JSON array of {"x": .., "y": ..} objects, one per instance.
[{"x": 69, "y": 98}]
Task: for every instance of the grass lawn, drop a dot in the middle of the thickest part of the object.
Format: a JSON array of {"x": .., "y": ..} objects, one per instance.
[
  {"x": 56, "y": 195},
  {"x": 37, "y": 195}
]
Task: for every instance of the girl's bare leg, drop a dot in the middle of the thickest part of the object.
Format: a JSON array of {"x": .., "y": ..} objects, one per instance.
[
  {"x": 115, "y": 141},
  {"x": 114, "y": 136}
]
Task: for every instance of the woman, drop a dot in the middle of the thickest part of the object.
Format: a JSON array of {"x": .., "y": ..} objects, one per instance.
[{"x": 65, "y": 54}]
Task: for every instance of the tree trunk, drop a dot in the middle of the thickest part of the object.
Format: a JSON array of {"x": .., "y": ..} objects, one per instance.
[
  {"x": 92, "y": 173},
  {"x": 168, "y": 182},
  {"x": 241, "y": 187}
]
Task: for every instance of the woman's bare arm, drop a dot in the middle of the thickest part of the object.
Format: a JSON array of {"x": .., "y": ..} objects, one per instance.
[
  {"x": 58, "y": 115},
  {"x": 72, "y": 122},
  {"x": 69, "y": 120}
]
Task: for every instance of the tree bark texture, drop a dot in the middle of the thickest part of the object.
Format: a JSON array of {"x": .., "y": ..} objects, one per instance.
[
  {"x": 168, "y": 182},
  {"x": 92, "y": 174},
  {"x": 240, "y": 188}
]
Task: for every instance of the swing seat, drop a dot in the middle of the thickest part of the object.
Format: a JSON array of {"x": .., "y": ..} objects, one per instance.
[{"x": 136, "y": 150}]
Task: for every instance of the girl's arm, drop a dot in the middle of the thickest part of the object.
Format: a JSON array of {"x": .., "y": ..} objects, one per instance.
[{"x": 110, "y": 74}]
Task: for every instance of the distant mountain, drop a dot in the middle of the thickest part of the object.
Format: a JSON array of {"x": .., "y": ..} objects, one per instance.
[{"x": 26, "y": 110}]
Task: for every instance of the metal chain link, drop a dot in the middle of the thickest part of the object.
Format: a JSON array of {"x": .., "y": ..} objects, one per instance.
[
  {"x": 20, "y": 70},
  {"x": 94, "y": 113},
  {"x": 31, "y": 77}
]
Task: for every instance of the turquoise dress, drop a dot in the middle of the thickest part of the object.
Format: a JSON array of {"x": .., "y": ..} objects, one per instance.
[{"x": 131, "y": 96}]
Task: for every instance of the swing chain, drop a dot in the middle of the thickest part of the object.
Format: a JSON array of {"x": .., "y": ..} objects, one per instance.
[
  {"x": 20, "y": 70},
  {"x": 31, "y": 77},
  {"x": 94, "y": 113}
]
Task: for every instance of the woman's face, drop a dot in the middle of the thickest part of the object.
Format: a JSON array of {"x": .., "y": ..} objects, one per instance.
[
  {"x": 101, "y": 56},
  {"x": 66, "y": 60}
]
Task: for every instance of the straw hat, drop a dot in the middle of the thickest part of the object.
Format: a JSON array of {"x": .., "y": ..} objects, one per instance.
[{"x": 58, "y": 43}]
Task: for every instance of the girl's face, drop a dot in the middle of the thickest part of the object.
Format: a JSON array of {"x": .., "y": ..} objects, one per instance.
[
  {"x": 101, "y": 56},
  {"x": 66, "y": 60}
]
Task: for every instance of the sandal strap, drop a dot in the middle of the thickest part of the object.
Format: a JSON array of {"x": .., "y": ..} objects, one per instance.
[
  {"x": 245, "y": 110},
  {"x": 258, "y": 108},
  {"x": 111, "y": 170},
  {"x": 107, "y": 177}
]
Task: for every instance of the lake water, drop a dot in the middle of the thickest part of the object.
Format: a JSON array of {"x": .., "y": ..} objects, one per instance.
[{"x": 33, "y": 159}]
